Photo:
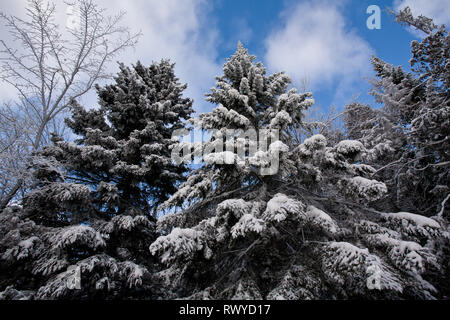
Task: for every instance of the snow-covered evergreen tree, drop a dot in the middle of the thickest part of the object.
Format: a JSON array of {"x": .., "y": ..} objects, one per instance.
[
  {"x": 121, "y": 162},
  {"x": 91, "y": 215},
  {"x": 305, "y": 231},
  {"x": 408, "y": 137},
  {"x": 102, "y": 260},
  {"x": 276, "y": 211}
]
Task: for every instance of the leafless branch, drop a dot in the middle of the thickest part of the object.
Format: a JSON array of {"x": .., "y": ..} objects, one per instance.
[{"x": 50, "y": 66}]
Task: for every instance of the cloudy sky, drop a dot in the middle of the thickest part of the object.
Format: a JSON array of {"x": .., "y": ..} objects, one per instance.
[{"x": 323, "y": 41}]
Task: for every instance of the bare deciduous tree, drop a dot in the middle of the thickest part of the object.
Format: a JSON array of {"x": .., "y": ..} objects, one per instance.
[
  {"x": 15, "y": 132},
  {"x": 54, "y": 65}
]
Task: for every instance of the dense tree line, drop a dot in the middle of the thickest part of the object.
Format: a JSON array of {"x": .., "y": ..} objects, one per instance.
[{"x": 355, "y": 212}]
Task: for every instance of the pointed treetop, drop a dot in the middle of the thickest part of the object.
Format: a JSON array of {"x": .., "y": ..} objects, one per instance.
[{"x": 241, "y": 47}]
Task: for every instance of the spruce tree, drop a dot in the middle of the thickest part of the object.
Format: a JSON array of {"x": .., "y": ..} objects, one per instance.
[
  {"x": 409, "y": 136},
  {"x": 305, "y": 231},
  {"x": 92, "y": 212},
  {"x": 122, "y": 157}
]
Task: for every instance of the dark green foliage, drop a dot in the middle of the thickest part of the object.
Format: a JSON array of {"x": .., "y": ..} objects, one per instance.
[
  {"x": 120, "y": 163},
  {"x": 408, "y": 137},
  {"x": 93, "y": 207}
]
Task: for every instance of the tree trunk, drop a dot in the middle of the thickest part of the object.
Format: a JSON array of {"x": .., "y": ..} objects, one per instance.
[{"x": 11, "y": 194}]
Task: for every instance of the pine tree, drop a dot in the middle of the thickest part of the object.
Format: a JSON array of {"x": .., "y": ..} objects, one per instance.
[
  {"x": 100, "y": 260},
  {"x": 122, "y": 157},
  {"x": 409, "y": 136},
  {"x": 304, "y": 231},
  {"x": 91, "y": 214}
]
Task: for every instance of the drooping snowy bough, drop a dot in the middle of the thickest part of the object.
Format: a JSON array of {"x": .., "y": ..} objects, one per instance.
[
  {"x": 304, "y": 231},
  {"x": 84, "y": 231}
]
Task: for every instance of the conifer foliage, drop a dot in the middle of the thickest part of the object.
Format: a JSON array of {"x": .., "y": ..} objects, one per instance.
[
  {"x": 121, "y": 162},
  {"x": 93, "y": 209},
  {"x": 269, "y": 214},
  {"x": 408, "y": 137},
  {"x": 305, "y": 231}
]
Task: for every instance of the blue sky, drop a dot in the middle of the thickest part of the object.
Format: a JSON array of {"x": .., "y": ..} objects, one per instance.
[
  {"x": 324, "y": 41},
  {"x": 253, "y": 21}
]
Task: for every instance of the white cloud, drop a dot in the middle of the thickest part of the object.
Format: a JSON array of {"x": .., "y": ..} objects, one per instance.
[
  {"x": 179, "y": 30},
  {"x": 174, "y": 29},
  {"x": 315, "y": 43},
  {"x": 438, "y": 10}
]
